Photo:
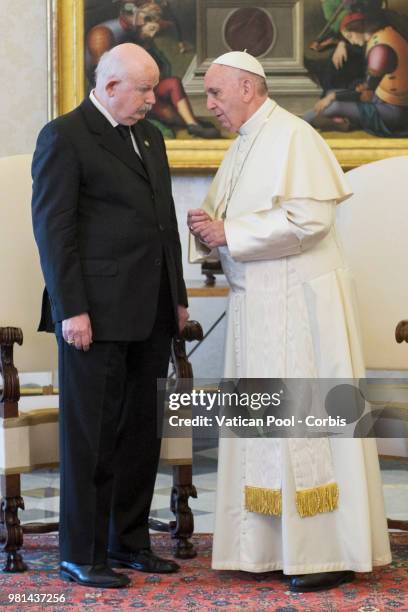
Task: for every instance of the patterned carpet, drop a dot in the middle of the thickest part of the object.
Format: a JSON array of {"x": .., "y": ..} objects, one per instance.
[{"x": 197, "y": 587}]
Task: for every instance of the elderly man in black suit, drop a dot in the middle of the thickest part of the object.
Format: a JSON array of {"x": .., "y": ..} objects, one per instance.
[{"x": 106, "y": 229}]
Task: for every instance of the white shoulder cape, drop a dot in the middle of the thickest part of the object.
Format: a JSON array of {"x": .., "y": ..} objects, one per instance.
[{"x": 288, "y": 160}]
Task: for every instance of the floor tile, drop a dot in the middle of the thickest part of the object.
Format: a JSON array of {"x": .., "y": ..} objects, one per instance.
[
  {"x": 210, "y": 453},
  {"x": 37, "y": 514},
  {"x": 41, "y": 492}
]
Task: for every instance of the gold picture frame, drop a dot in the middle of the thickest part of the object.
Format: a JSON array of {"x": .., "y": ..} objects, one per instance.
[{"x": 66, "y": 90}]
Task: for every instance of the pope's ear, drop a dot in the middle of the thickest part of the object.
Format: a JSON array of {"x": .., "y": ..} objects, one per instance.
[{"x": 247, "y": 88}]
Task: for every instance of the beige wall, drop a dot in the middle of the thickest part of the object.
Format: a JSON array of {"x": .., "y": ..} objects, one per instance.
[
  {"x": 23, "y": 107},
  {"x": 21, "y": 278},
  {"x": 23, "y": 69}
]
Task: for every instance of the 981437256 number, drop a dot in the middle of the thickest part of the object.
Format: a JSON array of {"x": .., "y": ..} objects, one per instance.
[{"x": 36, "y": 598}]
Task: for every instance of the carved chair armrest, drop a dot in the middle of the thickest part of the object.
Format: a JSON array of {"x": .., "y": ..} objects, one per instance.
[
  {"x": 401, "y": 332},
  {"x": 10, "y": 393},
  {"x": 192, "y": 331}
]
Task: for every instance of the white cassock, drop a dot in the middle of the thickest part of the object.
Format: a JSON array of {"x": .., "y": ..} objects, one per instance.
[{"x": 291, "y": 314}]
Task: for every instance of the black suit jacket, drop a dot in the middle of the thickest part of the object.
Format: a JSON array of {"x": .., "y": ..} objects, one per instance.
[{"x": 105, "y": 224}]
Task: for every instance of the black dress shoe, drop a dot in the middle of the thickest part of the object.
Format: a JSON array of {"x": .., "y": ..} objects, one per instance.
[
  {"x": 143, "y": 560},
  {"x": 307, "y": 583},
  {"x": 93, "y": 575}
]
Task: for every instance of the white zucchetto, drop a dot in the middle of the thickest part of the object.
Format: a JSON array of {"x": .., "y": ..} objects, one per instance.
[{"x": 241, "y": 60}]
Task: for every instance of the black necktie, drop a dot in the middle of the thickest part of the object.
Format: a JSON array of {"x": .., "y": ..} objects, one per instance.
[{"x": 124, "y": 131}]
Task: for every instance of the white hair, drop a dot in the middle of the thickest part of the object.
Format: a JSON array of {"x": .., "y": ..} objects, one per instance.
[{"x": 109, "y": 67}]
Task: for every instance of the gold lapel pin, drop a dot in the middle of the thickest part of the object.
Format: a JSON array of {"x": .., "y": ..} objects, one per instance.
[{"x": 147, "y": 143}]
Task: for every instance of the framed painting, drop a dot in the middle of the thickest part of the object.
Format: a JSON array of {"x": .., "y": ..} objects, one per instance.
[{"x": 321, "y": 58}]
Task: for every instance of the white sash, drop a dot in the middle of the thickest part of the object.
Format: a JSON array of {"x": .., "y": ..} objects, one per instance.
[{"x": 267, "y": 353}]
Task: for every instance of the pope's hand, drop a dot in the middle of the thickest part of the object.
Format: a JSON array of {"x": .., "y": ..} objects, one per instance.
[
  {"x": 197, "y": 220},
  {"x": 213, "y": 234},
  {"x": 78, "y": 331}
]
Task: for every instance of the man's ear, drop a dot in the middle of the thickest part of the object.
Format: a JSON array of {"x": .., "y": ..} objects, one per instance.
[{"x": 111, "y": 86}]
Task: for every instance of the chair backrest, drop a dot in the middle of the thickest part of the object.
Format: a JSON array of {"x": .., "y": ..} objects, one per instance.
[
  {"x": 373, "y": 226},
  {"x": 20, "y": 273}
]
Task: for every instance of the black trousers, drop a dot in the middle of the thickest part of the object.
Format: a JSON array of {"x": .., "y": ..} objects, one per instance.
[{"x": 109, "y": 447}]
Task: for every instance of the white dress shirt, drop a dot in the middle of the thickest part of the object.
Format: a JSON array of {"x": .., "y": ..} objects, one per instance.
[{"x": 111, "y": 120}]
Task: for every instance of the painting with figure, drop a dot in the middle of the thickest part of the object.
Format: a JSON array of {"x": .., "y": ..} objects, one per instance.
[
  {"x": 118, "y": 21},
  {"x": 341, "y": 64},
  {"x": 364, "y": 77}
]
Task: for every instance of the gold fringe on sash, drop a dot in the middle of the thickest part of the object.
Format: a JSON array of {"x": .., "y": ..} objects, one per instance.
[
  {"x": 318, "y": 499},
  {"x": 309, "y": 502},
  {"x": 263, "y": 501}
]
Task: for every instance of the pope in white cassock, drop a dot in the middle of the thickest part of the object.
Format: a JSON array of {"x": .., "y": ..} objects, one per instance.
[{"x": 313, "y": 508}]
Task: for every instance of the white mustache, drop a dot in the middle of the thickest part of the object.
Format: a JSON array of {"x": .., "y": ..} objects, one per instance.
[{"x": 145, "y": 108}]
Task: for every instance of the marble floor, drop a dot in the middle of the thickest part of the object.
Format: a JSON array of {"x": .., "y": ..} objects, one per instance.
[{"x": 40, "y": 490}]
